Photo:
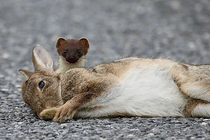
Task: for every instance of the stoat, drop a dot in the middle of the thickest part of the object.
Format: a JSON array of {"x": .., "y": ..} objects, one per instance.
[{"x": 71, "y": 53}]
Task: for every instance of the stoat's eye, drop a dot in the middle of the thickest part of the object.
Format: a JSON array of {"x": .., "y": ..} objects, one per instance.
[
  {"x": 41, "y": 84},
  {"x": 79, "y": 51},
  {"x": 64, "y": 52}
]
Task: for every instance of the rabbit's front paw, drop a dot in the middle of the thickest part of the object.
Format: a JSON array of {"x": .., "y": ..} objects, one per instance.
[
  {"x": 48, "y": 114},
  {"x": 64, "y": 113}
]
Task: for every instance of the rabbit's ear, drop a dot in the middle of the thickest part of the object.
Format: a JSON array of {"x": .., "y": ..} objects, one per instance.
[
  {"x": 41, "y": 59},
  {"x": 26, "y": 73}
]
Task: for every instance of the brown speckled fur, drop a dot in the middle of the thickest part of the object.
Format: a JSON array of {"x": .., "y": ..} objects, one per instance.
[{"x": 69, "y": 92}]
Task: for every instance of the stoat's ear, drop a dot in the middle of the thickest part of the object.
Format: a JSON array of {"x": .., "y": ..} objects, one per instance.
[
  {"x": 60, "y": 41},
  {"x": 41, "y": 59},
  {"x": 84, "y": 42}
]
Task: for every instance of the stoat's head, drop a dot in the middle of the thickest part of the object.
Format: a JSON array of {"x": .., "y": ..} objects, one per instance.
[{"x": 72, "y": 49}]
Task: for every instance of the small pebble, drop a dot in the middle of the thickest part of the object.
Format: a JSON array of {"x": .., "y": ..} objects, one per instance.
[{"x": 63, "y": 125}]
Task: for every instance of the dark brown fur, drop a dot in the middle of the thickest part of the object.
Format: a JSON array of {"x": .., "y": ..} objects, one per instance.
[{"x": 72, "y": 49}]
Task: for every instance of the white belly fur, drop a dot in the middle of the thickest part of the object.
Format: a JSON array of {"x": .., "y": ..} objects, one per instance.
[{"x": 142, "y": 91}]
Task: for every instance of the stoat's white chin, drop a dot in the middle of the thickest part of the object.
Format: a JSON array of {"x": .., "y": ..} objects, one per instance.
[{"x": 63, "y": 65}]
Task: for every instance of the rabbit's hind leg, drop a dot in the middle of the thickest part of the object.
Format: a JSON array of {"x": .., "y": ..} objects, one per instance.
[
  {"x": 197, "y": 90},
  {"x": 198, "y": 108},
  {"x": 195, "y": 82}
]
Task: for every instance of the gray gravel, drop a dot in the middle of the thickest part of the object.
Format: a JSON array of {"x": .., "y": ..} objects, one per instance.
[{"x": 175, "y": 29}]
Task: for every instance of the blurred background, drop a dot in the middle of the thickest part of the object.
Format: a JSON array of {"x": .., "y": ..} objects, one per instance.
[{"x": 175, "y": 29}]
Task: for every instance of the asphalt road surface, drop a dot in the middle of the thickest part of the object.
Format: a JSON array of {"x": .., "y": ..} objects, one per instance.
[{"x": 175, "y": 29}]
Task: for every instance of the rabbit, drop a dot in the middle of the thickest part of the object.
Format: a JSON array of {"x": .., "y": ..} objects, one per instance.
[
  {"x": 72, "y": 53},
  {"x": 139, "y": 87}
]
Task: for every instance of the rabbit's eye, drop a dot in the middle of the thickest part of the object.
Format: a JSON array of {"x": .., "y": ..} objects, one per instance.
[{"x": 41, "y": 84}]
